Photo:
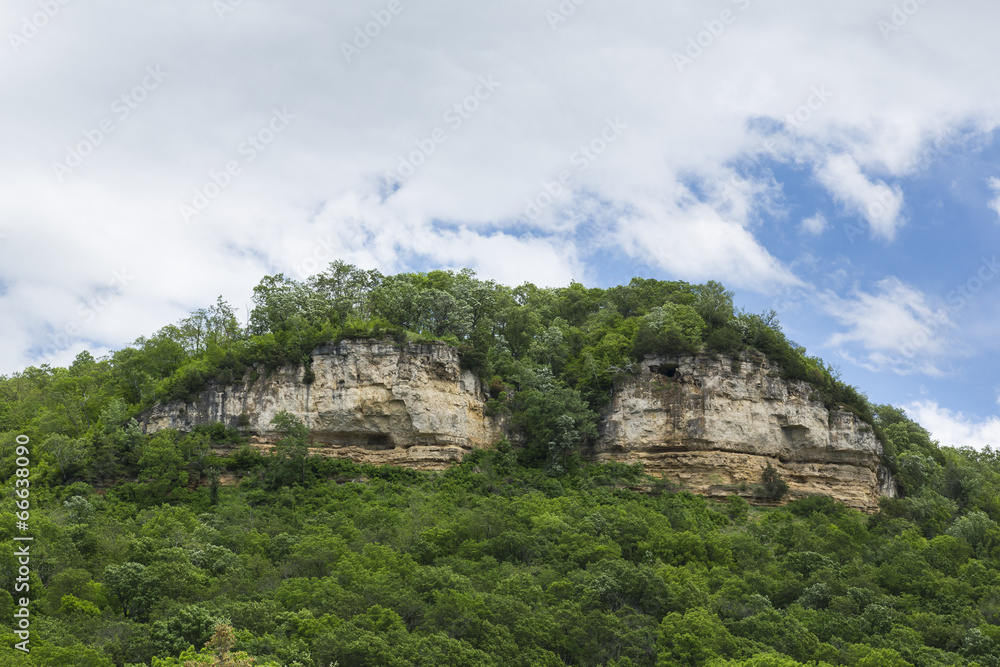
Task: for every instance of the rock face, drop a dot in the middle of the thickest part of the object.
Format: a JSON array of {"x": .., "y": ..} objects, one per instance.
[
  {"x": 713, "y": 425},
  {"x": 370, "y": 401},
  {"x": 709, "y": 424}
]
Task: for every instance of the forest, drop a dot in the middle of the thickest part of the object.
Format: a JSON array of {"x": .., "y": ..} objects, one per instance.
[{"x": 151, "y": 550}]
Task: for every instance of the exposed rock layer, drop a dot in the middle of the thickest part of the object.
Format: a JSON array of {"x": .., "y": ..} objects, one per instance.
[
  {"x": 713, "y": 425},
  {"x": 709, "y": 424},
  {"x": 371, "y": 401}
]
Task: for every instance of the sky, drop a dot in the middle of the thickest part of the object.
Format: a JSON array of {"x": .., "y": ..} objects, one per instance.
[{"x": 837, "y": 162}]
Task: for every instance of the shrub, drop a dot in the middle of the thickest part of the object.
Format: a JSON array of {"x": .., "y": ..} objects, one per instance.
[{"x": 774, "y": 487}]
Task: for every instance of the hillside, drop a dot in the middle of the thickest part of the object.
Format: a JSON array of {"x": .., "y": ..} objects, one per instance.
[
  {"x": 709, "y": 423},
  {"x": 544, "y": 514}
]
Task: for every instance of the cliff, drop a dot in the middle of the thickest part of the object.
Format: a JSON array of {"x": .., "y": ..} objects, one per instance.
[
  {"x": 714, "y": 424},
  {"x": 709, "y": 424},
  {"x": 371, "y": 401}
]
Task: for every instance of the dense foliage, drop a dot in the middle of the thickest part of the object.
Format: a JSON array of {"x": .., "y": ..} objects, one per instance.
[
  {"x": 550, "y": 356},
  {"x": 315, "y": 562},
  {"x": 152, "y": 550}
]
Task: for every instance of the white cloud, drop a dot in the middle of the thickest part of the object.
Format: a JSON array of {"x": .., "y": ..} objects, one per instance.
[
  {"x": 894, "y": 328},
  {"x": 876, "y": 202},
  {"x": 369, "y": 231},
  {"x": 815, "y": 225},
  {"x": 955, "y": 429},
  {"x": 693, "y": 240},
  {"x": 995, "y": 202},
  {"x": 891, "y": 99}
]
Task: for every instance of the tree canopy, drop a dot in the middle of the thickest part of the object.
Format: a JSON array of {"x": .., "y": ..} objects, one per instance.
[{"x": 153, "y": 550}]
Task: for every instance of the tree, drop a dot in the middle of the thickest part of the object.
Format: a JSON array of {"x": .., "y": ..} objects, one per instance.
[
  {"x": 693, "y": 639},
  {"x": 775, "y": 487},
  {"x": 280, "y": 302},
  {"x": 133, "y": 589},
  {"x": 220, "y": 646},
  {"x": 70, "y": 454},
  {"x": 978, "y": 531},
  {"x": 441, "y": 314},
  {"x": 556, "y": 422},
  {"x": 346, "y": 289},
  {"x": 116, "y": 443},
  {"x": 290, "y": 459},
  {"x": 162, "y": 466},
  {"x": 669, "y": 329},
  {"x": 191, "y": 625},
  {"x": 714, "y": 304}
]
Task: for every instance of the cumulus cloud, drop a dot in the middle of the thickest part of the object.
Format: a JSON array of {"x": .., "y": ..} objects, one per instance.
[
  {"x": 878, "y": 204},
  {"x": 417, "y": 88},
  {"x": 954, "y": 428},
  {"x": 815, "y": 224},
  {"x": 693, "y": 240},
  {"x": 895, "y": 327},
  {"x": 995, "y": 202}
]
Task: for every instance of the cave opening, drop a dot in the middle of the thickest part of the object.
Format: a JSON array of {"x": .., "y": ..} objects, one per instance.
[{"x": 669, "y": 370}]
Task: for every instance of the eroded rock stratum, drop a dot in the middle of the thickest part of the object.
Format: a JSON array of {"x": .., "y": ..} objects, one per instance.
[
  {"x": 711, "y": 424},
  {"x": 373, "y": 402}
]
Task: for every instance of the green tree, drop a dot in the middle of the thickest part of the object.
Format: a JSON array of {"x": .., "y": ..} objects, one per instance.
[
  {"x": 774, "y": 486},
  {"x": 69, "y": 454},
  {"x": 556, "y": 422},
  {"x": 289, "y": 463},
  {"x": 669, "y": 329},
  {"x": 132, "y": 588},
  {"x": 162, "y": 467},
  {"x": 693, "y": 638},
  {"x": 190, "y": 626},
  {"x": 714, "y": 304}
]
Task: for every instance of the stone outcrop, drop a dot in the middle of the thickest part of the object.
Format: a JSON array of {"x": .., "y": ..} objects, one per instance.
[
  {"x": 371, "y": 401},
  {"x": 709, "y": 424},
  {"x": 713, "y": 425}
]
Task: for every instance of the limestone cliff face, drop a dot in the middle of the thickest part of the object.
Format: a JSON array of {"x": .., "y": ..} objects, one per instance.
[
  {"x": 713, "y": 425},
  {"x": 709, "y": 424},
  {"x": 370, "y": 401}
]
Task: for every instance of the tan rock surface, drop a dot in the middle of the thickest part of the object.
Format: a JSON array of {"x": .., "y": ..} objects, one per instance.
[
  {"x": 370, "y": 401},
  {"x": 713, "y": 425},
  {"x": 709, "y": 424}
]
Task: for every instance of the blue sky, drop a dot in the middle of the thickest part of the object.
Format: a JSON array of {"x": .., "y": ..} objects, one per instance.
[{"x": 835, "y": 161}]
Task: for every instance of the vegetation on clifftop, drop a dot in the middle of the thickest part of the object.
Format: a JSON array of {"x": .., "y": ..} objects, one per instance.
[{"x": 550, "y": 356}]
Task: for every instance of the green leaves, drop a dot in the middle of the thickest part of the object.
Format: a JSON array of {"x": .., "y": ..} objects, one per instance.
[
  {"x": 162, "y": 467},
  {"x": 289, "y": 462},
  {"x": 556, "y": 422},
  {"x": 132, "y": 588},
  {"x": 669, "y": 329}
]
